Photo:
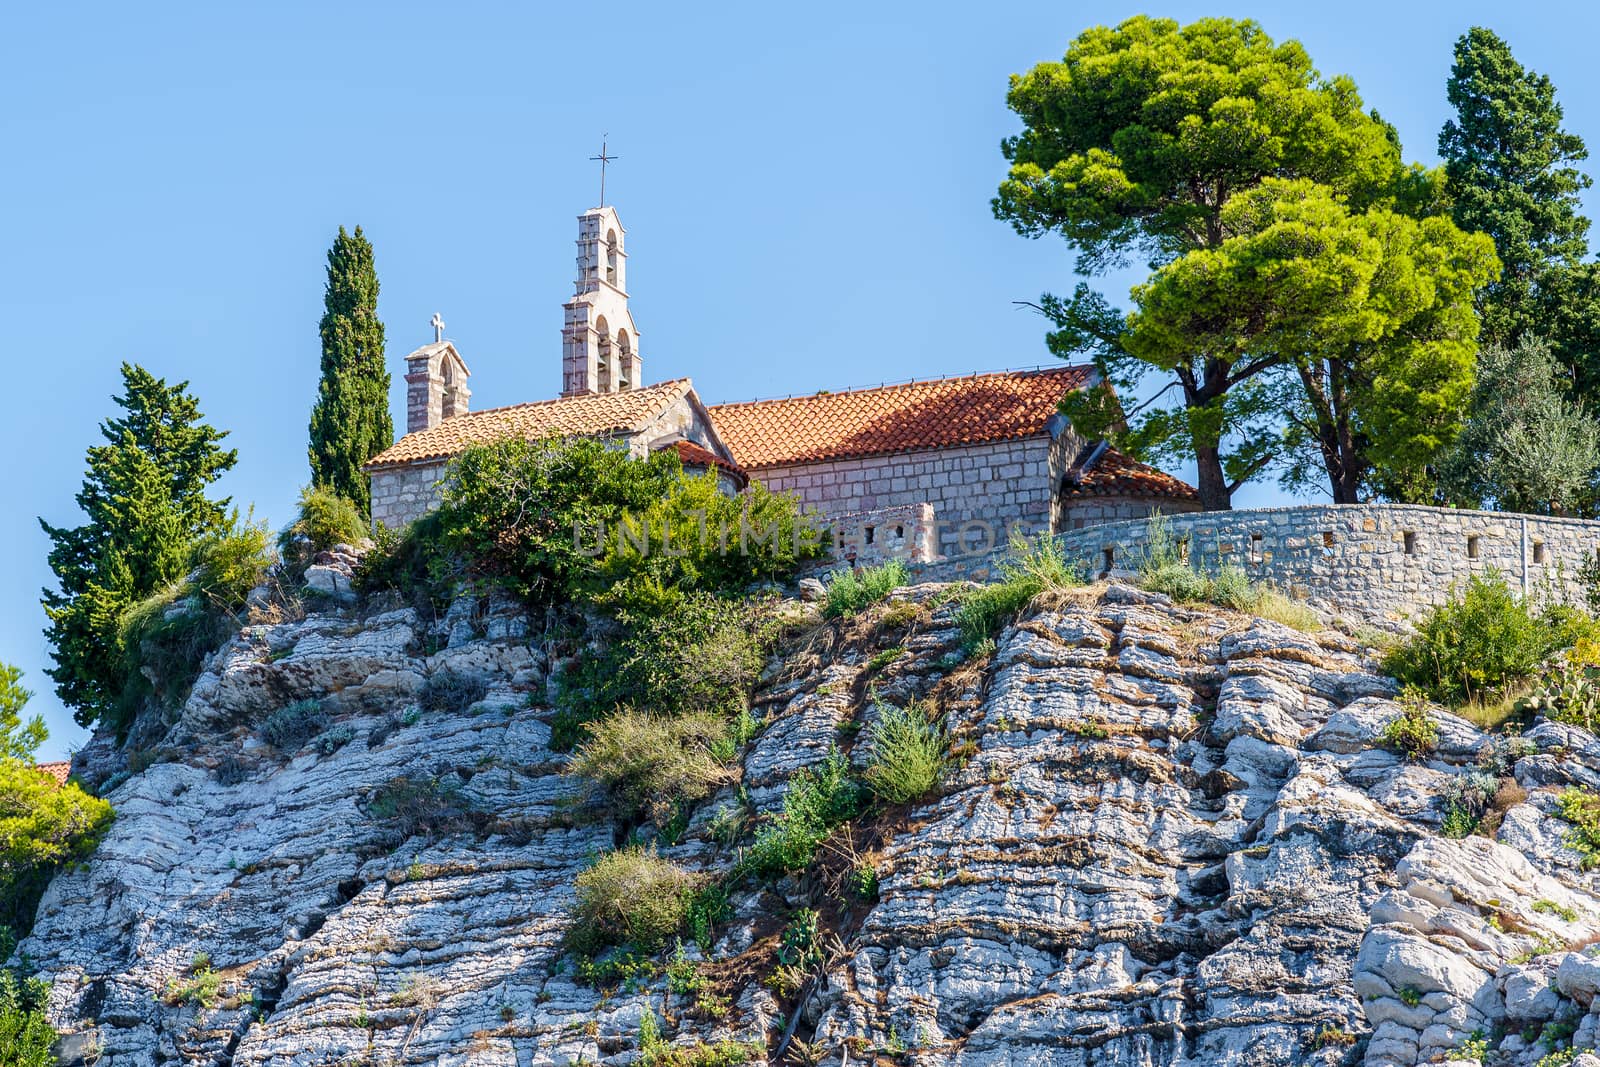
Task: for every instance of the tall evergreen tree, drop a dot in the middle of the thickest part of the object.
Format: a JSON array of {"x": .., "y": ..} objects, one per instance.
[
  {"x": 144, "y": 502},
  {"x": 350, "y": 422},
  {"x": 1509, "y": 173}
]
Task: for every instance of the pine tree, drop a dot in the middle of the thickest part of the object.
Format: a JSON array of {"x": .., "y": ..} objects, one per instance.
[
  {"x": 1509, "y": 173},
  {"x": 350, "y": 422},
  {"x": 143, "y": 498}
]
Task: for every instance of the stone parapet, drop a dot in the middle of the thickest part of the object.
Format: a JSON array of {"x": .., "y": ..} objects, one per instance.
[{"x": 1379, "y": 562}]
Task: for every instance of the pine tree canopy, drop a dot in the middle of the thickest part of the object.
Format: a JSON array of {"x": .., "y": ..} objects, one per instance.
[
  {"x": 1509, "y": 173},
  {"x": 350, "y": 422},
  {"x": 144, "y": 504}
]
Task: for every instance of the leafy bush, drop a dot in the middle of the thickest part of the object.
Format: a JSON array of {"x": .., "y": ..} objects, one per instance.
[
  {"x": 1032, "y": 568},
  {"x": 511, "y": 512},
  {"x": 452, "y": 690},
  {"x": 26, "y": 1035},
  {"x": 325, "y": 519},
  {"x": 1413, "y": 733},
  {"x": 1482, "y": 639},
  {"x": 852, "y": 592},
  {"x": 629, "y": 897},
  {"x": 290, "y": 727},
  {"x": 1581, "y": 808},
  {"x": 230, "y": 562},
  {"x": 704, "y": 656},
  {"x": 815, "y": 803},
  {"x": 905, "y": 754},
  {"x": 650, "y": 764},
  {"x": 697, "y": 539},
  {"x": 42, "y": 824}
]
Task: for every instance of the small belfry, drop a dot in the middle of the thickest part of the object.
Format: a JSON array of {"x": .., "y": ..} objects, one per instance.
[{"x": 599, "y": 342}]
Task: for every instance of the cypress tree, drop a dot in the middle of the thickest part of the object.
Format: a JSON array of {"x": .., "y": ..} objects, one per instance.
[
  {"x": 144, "y": 500},
  {"x": 1509, "y": 173},
  {"x": 350, "y": 422}
]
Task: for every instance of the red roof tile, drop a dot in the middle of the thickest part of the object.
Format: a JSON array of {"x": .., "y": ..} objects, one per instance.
[
  {"x": 590, "y": 415},
  {"x": 1103, "y": 471},
  {"x": 60, "y": 771},
  {"x": 692, "y": 455},
  {"x": 895, "y": 418}
]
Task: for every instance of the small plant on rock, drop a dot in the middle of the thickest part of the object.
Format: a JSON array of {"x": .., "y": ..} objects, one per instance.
[
  {"x": 816, "y": 802},
  {"x": 452, "y": 690},
  {"x": 1413, "y": 733},
  {"x": 290, "y": 727},
  {"x": 851, "y": 592},
  {"x": 905, "y": 753},
  {"x": 1581, "y": 808},
  {"x": 629, "y": 897},
  {"x": 652, "y": 765}
]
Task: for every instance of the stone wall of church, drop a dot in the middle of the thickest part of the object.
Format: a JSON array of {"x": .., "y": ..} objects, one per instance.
[
  {"x": 989, "y": 487},
  {"x": 401, "y": 495},
  {"x": 1379, "y": 562}
]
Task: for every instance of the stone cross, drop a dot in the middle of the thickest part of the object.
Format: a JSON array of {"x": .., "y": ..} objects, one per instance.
[
  {"x": 438, "y": 327},
  {"x": 603, "y": 159}
]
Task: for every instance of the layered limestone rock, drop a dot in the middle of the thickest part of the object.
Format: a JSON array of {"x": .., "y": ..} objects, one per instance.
[{"x": 1171, "y": 838}]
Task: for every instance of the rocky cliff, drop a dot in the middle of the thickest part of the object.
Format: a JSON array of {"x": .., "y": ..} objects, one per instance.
[{"x": 1173, "y": 838}]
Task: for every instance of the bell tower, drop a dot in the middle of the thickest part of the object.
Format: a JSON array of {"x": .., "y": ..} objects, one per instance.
[{"x": 599, "y": 343}]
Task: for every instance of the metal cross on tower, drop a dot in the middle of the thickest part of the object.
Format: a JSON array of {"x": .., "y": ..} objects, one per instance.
[
  {"x": 437, "y": 322},
  {"x": 603, "y": 160}
]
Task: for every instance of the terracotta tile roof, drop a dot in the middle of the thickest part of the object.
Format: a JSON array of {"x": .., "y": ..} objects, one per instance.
[
  {"x": 692, "y": 455},
  {"x": 574, "y": 416},
  {"x": 60, "y": 771},
  {"x": 895, "y": 418},
  {"x": 1103, "y": 471}
]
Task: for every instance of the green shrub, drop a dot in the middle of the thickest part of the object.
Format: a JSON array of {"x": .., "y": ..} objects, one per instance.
[
  {"x": 163, "y": 641},
  {"x": 1177, "y": 580},
  {"x": 452, "y": 690},
  {"x": 26, "y": 1036},
  {"x": 202, "y": 987},
  {"x": 704, "y": 656},
  {"x": 905, "y": 754},
  {"x": 652, "y": 765},
  {"x": 231, "y": 562},
  {"x": 629, "y": 897},
  {"x": 815, "y": 803},
  {"x": 1232, "y": 588},
  {"x": 511, "y": 513},
  {"x": 325, "y": 519},
  {"x": 290, "y": 727},
  {"x": 852, "y": 592},
  {"x": 1482, "y": 639},
  {"x": 410, "y": 562},
  {"x": 1032, "y": 567},
  {"x": 1414, "y": 733},
  {"x": 1581, "y": 808},
  {"x": 407, "y": 807},
  {"x": 696, "y": 539}
]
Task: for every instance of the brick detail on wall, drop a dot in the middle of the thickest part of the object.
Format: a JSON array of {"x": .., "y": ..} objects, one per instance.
[{"x": 1380, "y": 562}]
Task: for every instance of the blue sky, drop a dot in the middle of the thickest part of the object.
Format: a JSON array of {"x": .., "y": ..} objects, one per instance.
[{"x": 806, "y": 189}]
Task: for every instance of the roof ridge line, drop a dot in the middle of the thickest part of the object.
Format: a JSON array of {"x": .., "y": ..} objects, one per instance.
[
  {"x": 552, "y": 400},
  {"x": 883, "y": 386}
]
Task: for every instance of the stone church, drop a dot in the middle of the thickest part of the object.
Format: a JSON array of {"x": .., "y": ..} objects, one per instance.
[{"x": 914, "y": 470}]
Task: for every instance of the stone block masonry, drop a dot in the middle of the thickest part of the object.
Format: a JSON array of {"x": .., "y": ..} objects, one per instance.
[
  {"x": 1378, "y": 562},
  {"x": 401, "y": 495},
  {"x": 997, "y": 484}
]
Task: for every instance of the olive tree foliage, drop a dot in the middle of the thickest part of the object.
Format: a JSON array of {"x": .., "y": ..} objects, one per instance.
[
  {"x": 1137, "y": 143},
  {"x": 1526, "y": 446}
]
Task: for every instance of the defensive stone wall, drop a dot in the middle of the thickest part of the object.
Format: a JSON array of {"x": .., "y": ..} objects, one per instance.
[{"x": 1380, "y": 562}]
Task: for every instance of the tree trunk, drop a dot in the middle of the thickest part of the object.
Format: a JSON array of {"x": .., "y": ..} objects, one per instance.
[{"x": 1213, "y": 483}]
